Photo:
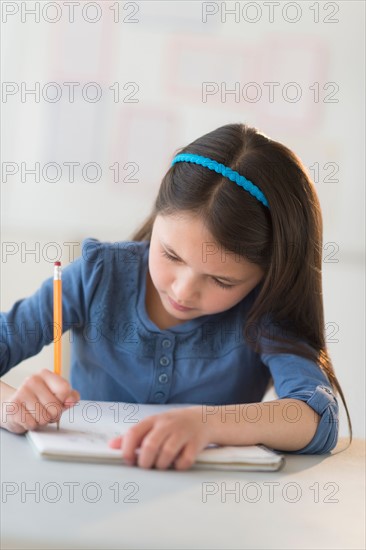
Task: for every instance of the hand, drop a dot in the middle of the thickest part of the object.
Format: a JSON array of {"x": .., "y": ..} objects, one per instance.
[
  {"x": 173, "y": 437},
  {"x": 41, "y": 399}
]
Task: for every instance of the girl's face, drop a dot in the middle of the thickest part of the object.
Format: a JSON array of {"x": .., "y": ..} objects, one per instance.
[{"x": 188, "y": 268}]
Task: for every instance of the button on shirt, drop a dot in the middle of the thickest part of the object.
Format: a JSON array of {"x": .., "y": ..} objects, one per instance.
[{"x": 119, "y": 354}]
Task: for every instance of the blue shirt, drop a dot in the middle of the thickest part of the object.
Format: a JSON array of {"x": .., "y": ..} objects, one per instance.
[{"x": 119, "y": 354}]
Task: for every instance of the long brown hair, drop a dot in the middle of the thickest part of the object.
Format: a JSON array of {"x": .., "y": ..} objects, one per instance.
[{"x": 285, "y": 240}]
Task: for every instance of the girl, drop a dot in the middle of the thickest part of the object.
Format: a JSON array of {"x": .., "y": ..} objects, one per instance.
[{"x": 217, "y": 296}]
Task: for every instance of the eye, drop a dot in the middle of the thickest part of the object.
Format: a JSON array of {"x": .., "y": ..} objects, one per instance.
[
  {"x": 174, "y": 259},
  {"x": 222, "y": 285}
]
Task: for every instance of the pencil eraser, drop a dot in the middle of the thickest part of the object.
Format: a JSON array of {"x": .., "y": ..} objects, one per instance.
[{"x": 57, "y": 263}]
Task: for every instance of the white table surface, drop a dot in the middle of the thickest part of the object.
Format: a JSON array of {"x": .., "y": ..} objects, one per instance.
[{"x": 315, "y": 501}]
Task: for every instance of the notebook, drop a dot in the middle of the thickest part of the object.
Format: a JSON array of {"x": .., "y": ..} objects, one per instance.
[{"x": 86, "y": 428}]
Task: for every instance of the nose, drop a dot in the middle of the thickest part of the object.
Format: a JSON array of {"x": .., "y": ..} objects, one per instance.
[{"x": 185, "y": 291}]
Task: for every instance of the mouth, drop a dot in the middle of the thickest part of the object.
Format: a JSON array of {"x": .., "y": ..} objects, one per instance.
[{"x": 178, "y": 307}]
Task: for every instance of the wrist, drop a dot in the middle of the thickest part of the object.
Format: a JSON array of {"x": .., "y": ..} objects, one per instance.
[
  {"x": 211, "y": 420},
  {"x": 6, "y": 393},
  {"x": 227, "y": 425}
]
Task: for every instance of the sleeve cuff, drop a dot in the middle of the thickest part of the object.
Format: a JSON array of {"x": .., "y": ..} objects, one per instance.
[{"x": 323, "y": 401}]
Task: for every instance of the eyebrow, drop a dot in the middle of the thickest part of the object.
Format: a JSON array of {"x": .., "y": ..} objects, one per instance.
[{"x": 229, "y": 279}]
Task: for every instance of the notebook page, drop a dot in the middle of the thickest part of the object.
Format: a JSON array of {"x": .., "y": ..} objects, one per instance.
[{"x": 86, "y": 428}]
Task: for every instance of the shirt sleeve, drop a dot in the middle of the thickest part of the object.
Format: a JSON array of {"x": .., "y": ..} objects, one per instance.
[
  {"x": 28, "y": 326},
  {"x": 298, "y": 378}
]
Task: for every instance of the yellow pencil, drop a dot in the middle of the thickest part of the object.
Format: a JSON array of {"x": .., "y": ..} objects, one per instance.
[{"x": 57, "y": 319}]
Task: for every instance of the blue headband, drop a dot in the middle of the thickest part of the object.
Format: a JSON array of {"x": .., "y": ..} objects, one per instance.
[{"x": 225, "y": 171}]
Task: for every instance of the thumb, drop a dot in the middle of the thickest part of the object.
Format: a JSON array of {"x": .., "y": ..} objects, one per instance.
[{"x": 73, "y": 398}]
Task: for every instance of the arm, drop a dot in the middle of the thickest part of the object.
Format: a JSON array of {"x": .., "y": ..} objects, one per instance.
[
  {"x": 302, "y": 381},
  {"x": 285, "y": 424},
  {"x": 25, "y": 329},
  {"x": 28, "y": 326}
]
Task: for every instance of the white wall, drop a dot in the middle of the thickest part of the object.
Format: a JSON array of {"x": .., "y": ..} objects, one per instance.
[{"x": 167, "y": 53}]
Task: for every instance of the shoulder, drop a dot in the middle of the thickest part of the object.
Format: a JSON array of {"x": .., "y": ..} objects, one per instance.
[
  {"x": 122, "y": 253},
  {"x": 108, "y": 263}
]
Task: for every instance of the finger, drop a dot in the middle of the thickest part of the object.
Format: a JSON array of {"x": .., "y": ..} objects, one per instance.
[
  {"x": 116, "y": 442},
  {"x": 25, "y": 416},
  {"x": 133, "y": 437},
  {"x": 188, "y": 456},
  {"x": 169, "y": 451},
  {"x": 151, "y": 446},
  {"x": 46, "y": 405},
  {"x": 58, "y": 385},
  {"x": 72, "y": 399},
  {"x": 18, "y": 424},
  {"x": 31, "y": 414}
]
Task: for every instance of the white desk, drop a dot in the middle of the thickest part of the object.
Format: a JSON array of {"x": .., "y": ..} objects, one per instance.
[{"x": 318, "y": 502}]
